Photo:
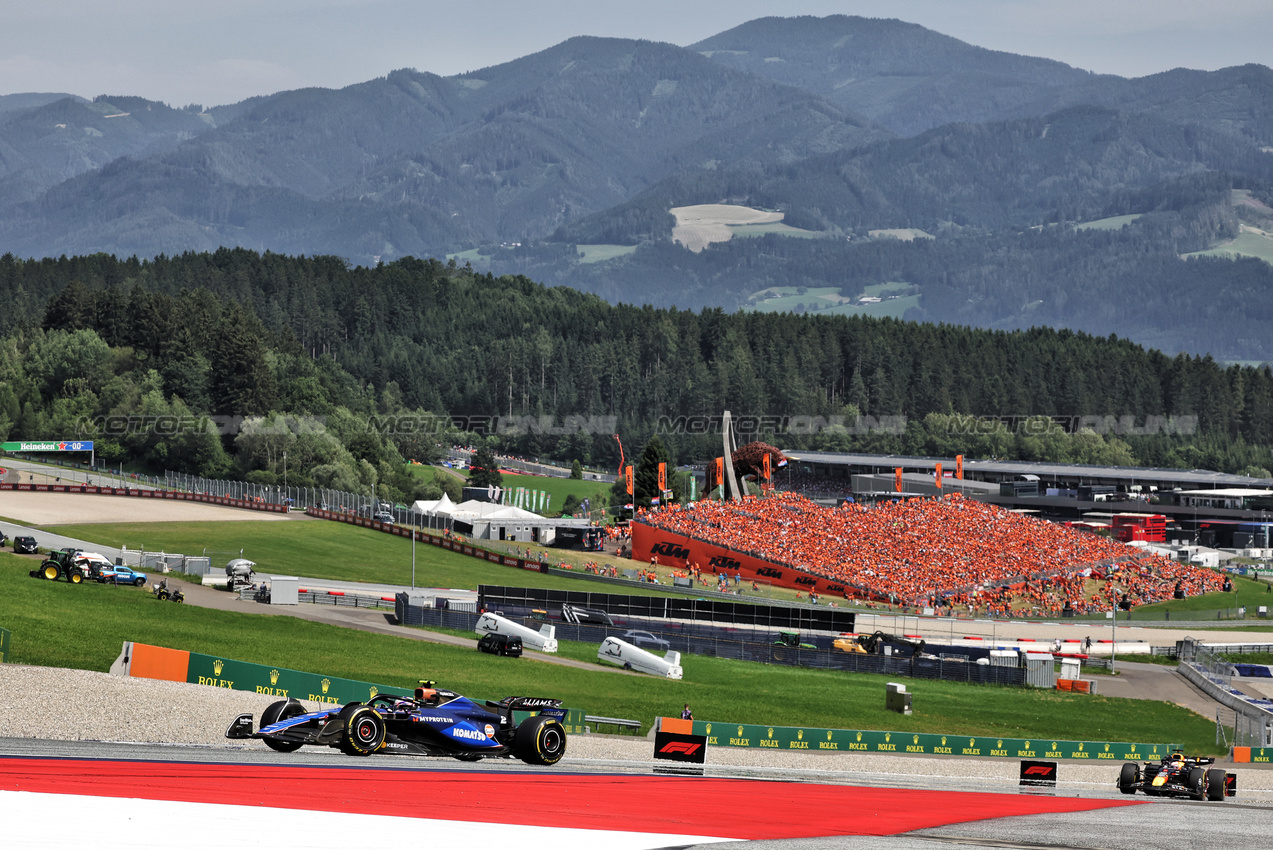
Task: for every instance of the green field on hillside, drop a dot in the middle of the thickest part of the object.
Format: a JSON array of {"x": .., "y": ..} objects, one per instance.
[
  {"x": 558, "y": 489},
  {"x": 1115, "y": 222},
  {"x": 776, "y": 227},
  {"x": 56, "y": 624},
  {"x": 317, "y": 549},
  {"x": 1247, "y": 244},
  {"x": 826, "y": 300},
  {"x": 601, "y": 253}
]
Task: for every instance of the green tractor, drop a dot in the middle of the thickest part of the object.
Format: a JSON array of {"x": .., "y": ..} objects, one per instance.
[
  {"x": 60, "y": 565},
  {"x": 786, "y": 640}
]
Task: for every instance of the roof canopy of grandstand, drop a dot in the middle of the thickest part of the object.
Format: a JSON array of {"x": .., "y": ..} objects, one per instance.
[{"x": 1005, "y": 470}]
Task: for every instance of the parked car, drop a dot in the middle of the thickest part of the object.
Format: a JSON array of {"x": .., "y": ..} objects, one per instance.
[
  {"x": 384, "y": 516},
  {"x": 645, "y": 640},
  {"x": 24, "y": 544},
  {"x": 497, "y": 644},
  {"x": 121, "y": 575}
]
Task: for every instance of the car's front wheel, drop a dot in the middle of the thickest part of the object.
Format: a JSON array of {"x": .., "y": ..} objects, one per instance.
[
  {"x": 364, "y": 730},
  {"x": 540, "y": 740},
  {"x": 1127, "y": 778},
  {"x": 1215, "y": 785},
  {"x": 139, "y": 581},
  {"x": 275, "y": 712},
  {"x": 1197, "y": 783}
]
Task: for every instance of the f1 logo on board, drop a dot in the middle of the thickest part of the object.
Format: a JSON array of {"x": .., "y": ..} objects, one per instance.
[
  {"x": 1038, "y": 773},
  {"x": 678, "y": 747}
]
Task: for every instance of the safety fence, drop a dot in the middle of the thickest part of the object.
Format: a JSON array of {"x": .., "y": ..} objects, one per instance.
[
  {"x": 739, "y": 643},
  {"x": 1204, "y": 667}
]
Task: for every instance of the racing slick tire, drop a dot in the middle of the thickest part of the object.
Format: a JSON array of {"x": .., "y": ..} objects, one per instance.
[
  {"x": 1215, "y": 785},
  {"x": 49, "y": 571},
  {"x": 1127, "y": 778},
  {"x": 364, "y": 730},
  {"x": 275, "y": 712},
  {"x": 540, "y": 740},
  {"x": 1197, "y": 783},
  {"x": 138, "y": 582}
]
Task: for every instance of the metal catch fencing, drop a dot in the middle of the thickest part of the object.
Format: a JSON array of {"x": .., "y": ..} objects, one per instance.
[{"x": 1206, "y": 668}]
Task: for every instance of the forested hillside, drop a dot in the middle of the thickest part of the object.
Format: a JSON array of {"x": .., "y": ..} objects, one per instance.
[{"x": 245, "y": 337}]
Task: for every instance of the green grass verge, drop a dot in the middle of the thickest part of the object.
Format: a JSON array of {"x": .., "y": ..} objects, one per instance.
[
  {"x": 321, "y": 549},
  {"x": 56, "y": 624},
  {"x": 1246, "y": 244},
  {"x": 1115, "y": 222}
]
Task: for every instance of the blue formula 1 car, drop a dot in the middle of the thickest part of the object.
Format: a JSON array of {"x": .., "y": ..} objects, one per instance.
[{"x": 436, "y": 722}]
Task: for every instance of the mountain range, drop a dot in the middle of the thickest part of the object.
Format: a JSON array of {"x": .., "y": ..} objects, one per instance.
[{"x": 888, "y": 169}]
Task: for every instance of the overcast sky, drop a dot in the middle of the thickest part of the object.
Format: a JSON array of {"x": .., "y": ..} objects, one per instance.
[{"x": 216, "y": 52}]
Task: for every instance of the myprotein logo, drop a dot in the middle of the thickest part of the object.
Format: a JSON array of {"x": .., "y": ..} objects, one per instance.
[
  {"x": 725, "y": 562},
  {"x": 670, "y": 550}
]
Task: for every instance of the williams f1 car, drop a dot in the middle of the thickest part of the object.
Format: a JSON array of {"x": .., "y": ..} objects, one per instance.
[
  {"x": 436, "y": 722},
  {"x": 1178, "y": 775}
]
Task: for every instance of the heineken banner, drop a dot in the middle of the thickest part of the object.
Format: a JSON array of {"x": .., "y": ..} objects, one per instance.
[
  {"x": 5, "y": 637},
  {"x": 157, "y": 662},
  {"x": 846, "y": 740}
]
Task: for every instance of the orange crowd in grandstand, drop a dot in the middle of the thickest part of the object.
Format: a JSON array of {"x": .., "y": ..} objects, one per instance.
[{"x": 951, "y": 551}]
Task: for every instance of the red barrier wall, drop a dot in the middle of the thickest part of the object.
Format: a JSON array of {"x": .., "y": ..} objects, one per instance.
[
  {"x": 678, "y": 550},
  {"x": 147, "y": 494}
]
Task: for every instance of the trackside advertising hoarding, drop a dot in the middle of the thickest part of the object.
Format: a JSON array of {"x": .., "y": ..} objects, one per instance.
[
  {"x": 157, "y": 662},
  {"x": 5, "y": 637},
  {"x": 852, "y": 740}
]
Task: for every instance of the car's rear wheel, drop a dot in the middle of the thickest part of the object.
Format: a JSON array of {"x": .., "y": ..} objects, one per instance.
[
  {"x": 1197, "y": 783},
  {"x": 364, "y": 730},
  {"x": 1127, "y": 778},
  {"x": 139, "y": 581},
  {"x": 50, "y": 571},
  {"x": 1215, "y": 785},
  {"x": 540, "y": 740}
]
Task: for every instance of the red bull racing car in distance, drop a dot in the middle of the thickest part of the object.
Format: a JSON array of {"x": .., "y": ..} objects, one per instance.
[
  {"x": 1178, "y": 775},
  {"x": 435, "y": 722}
]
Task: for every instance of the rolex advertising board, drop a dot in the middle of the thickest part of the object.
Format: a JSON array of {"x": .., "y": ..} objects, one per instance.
[
  {"x": 5, "y": 637},
  {"x": 281, "y": 682},
  {"x": 847, "y": 740}
]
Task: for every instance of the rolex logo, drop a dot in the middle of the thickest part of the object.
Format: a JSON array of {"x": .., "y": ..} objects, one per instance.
[
  {"x": 915, "y": 739},
  {"x": 799, "y": 735},
  {"x": 372, "y": 694},
  {"x": 771, "y": 731},
  {"x": 1027, "y": 745},
  {"x": 273, "y": 677},
  {"x": 859, "y": 736},
  {"x": 972, "y": 742},
  {"x": 326, "y": 683},
  {"x": 943, "y": 740},
  {"x": 740, "y": 731},
  {"x": 709, "y": 728},
  {"x": 828, "y": 734},
  {"x": 999, "y": 745},
  {"x": 217, "y": 667},
  {"x": 888, "y": 736},
  {"x": 1054, "y": 745}
]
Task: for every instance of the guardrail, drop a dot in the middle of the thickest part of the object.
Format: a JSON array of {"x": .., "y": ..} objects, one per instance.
[{"x": 166, "y": 495}]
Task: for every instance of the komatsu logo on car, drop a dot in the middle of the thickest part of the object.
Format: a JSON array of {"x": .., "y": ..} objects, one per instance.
[{"x": 467, "y": 734}]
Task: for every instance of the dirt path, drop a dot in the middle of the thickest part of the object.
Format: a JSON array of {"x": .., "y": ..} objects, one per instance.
[{"x": 47, "y": 509}]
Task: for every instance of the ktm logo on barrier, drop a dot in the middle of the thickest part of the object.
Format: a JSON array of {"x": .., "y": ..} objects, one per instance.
[
  {"x": 835, "y": 588},
  {"x": 769, "y": 572},
  {"x": 724, "y": 561},
  {"x": 807, "y": 580},
  {"x": 669, "y": 549},
  {"x": 680, "y": 747}
]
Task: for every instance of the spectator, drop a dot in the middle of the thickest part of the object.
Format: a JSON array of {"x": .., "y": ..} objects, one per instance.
[{"x": 686, "y": 714}]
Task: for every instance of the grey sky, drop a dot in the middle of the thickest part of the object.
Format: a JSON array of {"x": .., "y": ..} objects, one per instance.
[{"x": 213, "y": 53}]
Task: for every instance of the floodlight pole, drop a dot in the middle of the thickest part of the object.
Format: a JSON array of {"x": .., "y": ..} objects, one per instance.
[{"x": 414, "y": 530}]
